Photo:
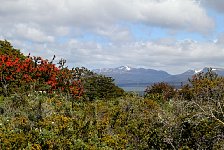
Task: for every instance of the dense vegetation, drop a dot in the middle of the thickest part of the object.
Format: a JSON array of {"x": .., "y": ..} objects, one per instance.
[{"x": 47, "y": 106}]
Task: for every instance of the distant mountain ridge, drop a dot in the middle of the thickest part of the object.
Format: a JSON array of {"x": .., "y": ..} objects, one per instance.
[{"x": 126, "y": 76}]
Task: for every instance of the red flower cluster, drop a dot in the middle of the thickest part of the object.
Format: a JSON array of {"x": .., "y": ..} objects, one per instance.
[{"x": 39, "y": 72}]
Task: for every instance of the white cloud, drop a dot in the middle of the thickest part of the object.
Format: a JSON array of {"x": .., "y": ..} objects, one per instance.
[
  {"x": 172, "y": 14},
  {"x": 215, "y": 4},
  {"x": 182, "y": 14},
  {"x": 45, "y": 22},
  {"x": 175, "y": 57},
  {"x": 62, "y": 30},
  {"x": 32, "y": 33},
  {"x": 115, "y": 33}
]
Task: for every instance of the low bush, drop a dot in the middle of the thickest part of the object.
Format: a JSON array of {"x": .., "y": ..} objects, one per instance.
[
  {"x": 160, "y": 92},
  {"x": 103, "y": 117}
]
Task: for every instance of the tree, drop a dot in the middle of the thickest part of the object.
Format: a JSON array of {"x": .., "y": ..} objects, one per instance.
[
  {"x": 98, "y": 86},
  {"x": 7, "y": 49}
]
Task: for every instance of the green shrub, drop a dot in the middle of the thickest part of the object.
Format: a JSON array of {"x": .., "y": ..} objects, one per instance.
[
  {"x": 207, "y": 85},
  {"x": 98, "y": 86},
  {"x": 192, "y": 118},
  {"x": 160, "y": 92}
]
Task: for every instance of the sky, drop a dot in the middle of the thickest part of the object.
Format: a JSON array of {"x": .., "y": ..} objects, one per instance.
[{"x": 169, "y": 35}]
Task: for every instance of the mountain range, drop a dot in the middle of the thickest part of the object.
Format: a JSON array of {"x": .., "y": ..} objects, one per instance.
[{"x": 126, "y": 76}]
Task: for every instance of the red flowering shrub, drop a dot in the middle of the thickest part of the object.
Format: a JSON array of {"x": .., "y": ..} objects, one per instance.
[{"x": 34, "y": 73}]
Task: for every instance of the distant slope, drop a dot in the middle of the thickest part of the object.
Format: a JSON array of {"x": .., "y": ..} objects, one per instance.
[{"x": 126, "y": 76}]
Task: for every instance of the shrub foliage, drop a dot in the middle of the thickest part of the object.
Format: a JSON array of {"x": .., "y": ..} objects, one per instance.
[
  {"x": 26, "y": 74},
  {"x": 45, "y": 106},
  {"x": 160, "y": 91}
]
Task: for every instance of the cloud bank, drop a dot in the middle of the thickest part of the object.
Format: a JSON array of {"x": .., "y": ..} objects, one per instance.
[{"x": 98, "y": 33}]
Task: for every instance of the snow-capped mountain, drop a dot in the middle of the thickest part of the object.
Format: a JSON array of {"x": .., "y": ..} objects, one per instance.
[
  {"x": 111, "y": 70},
  {"x": 197, "y": 71},
  {"x": 125, "y": 68},
  {"x": 183, "y": 77},
  {"x": 127, "y": 76},
  {"x": 219, "y": 71}
]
